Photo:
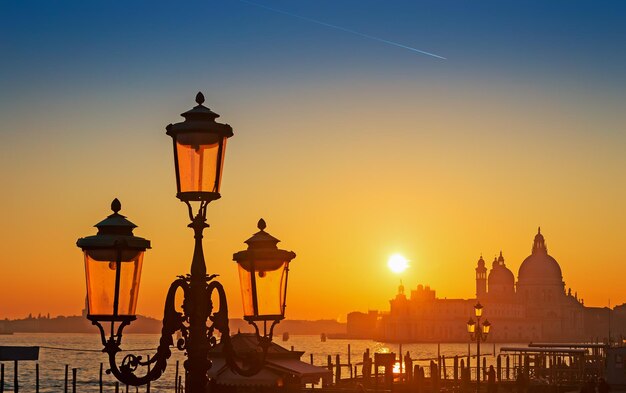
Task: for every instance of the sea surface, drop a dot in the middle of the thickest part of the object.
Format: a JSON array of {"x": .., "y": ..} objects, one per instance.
[{"x": 83, "y": 352}]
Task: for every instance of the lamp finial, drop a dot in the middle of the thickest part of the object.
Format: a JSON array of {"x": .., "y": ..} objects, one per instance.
[
  {"x": 261, "y": 225},
  {"x": 116, "y": 205},
  {"x": 200, "y": 98}
]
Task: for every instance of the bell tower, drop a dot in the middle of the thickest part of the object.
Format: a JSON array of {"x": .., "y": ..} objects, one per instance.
[{"x": 481, "y": 278}]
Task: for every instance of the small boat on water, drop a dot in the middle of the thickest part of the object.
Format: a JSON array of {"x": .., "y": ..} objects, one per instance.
[{"x": 285, "y": 336}]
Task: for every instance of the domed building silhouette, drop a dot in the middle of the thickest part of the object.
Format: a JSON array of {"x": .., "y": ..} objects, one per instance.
[{"x": 536, "y": 307}]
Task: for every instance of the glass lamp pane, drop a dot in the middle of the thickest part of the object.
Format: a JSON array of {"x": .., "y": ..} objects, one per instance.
[
  {"x": 270, "y": 289},
  {"x": 245, "y": 281},
  {"x": 478, "y": 309},
  {"x": 486, "y": 327},
  {"x": 101, "y": 270},
  {"x": 198, "y": 166}
]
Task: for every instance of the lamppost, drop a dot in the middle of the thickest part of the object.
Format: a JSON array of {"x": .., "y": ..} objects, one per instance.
[
  {"x": 114, "y": 257},
  {"x": 479, "y": 334}
]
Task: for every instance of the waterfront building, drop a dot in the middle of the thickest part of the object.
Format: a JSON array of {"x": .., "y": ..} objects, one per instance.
[{"x": 536, "y": 307}]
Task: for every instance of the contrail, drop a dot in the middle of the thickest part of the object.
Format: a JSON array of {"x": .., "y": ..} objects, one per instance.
[{"x": 319, "y": 22}]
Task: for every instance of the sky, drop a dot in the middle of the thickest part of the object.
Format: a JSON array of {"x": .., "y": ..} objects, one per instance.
[{"x": 351, "y": 143}]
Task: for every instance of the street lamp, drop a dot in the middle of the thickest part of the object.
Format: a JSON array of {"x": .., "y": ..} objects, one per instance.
[
  {"x": 114, "y": 256},
  {"x": 479, "y": 334}
]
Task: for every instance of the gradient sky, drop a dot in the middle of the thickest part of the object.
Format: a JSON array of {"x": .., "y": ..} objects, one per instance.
[{"x": 351, "y": 148}]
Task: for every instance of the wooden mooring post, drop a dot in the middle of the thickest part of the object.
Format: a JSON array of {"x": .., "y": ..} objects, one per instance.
[
  {"x": 16, "y": 386},
  {"x": 176, "y": 378},
  {"x": 2, "y": 378},
  {"x": 350, "y": 362},
  {"x": 100, "y": 379},
  {"x": 508, "y": 368},
  {"x": 36, "y": 377},
  {"x": 148, "y": 384},
  {"x": 74, "y": 380},
  {"x": 499, "y": 368},
  {"x": 67, "y": 369},
  {"x": 330, "y": 365}
]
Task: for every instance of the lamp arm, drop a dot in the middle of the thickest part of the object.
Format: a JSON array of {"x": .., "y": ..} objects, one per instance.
[
  {"x": 172, "y": 322},
  {"x": 220, "y": 322}
]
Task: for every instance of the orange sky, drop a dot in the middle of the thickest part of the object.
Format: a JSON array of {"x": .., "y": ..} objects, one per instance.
[{"x": 434, "y": 174}]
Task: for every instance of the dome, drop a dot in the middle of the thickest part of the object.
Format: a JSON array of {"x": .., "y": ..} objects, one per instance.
[
  {"x": 500, "y": 275},
  {"x": 540, "y": 267},
  {"x": 481, "y": 263}
]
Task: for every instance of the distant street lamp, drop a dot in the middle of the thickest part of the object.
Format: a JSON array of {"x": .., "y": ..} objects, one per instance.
[
  {"x": 479, "y": 334},
  {"x": 114, "y": 256}
]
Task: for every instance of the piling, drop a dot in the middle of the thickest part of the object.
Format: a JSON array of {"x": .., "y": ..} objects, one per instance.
[
  {"x": 67, "y": 368},
  {"x": 37, "y": 377},
  {"x": 311, "y": 358},
  {"x": 417, "y": 380},
  {"x": 484, "y": 368},
  {"x": 16, "y": 386},
  {"x": 74, "y": 380},
  {"x": 337, "y": 369},
  {"x": 499, "y": 368},
  {"x": 117, "y": 387},
  {"x": 2, "y": 378},
  {"x": 100, "y": 379},
  {"x": 176, "y": 378},
  {"x": 148, "y": 384},
  {"x": 456, "y": 369},
  {"x": 330, "y": 365},
  {"x": 508, "y": 367},
  {"x": 350, "y": 362},
  {"x": 408, "y": 366}
]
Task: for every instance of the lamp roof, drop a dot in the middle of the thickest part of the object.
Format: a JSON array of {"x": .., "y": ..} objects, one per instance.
[
  {"x": 114, "y": 231},
  {"x": 199, "y": 119},
  {"x": 263, "y": 245}
]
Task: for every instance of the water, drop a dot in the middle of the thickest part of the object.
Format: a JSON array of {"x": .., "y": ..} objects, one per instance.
[{"x": 82, "y": 351}]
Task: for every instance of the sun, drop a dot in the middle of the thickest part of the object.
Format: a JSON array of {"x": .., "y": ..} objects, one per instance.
[{"x": 397, "y": 263}]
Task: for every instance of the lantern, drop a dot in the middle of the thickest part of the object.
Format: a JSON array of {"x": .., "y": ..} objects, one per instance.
[
  {"x": 113, "y": 260},
  {"x": 199, "y": 147},
  {"x": 471, "y": 326},
  {"x": 478, "y": 310},
  {"x": 263, "y": 273},
  {"x": 486, "y": 327}
]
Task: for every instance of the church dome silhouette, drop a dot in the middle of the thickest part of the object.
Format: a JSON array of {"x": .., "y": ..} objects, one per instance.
[
  {"x": 500, "y": 275},
  {"x": 540, "y": 267}
]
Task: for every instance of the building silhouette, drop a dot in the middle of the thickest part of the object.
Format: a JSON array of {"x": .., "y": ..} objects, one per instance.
[{"x": 535, "y": 308}]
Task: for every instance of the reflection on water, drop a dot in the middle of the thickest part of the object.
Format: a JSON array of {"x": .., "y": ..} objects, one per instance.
[{"x": 86, "y": 356}]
